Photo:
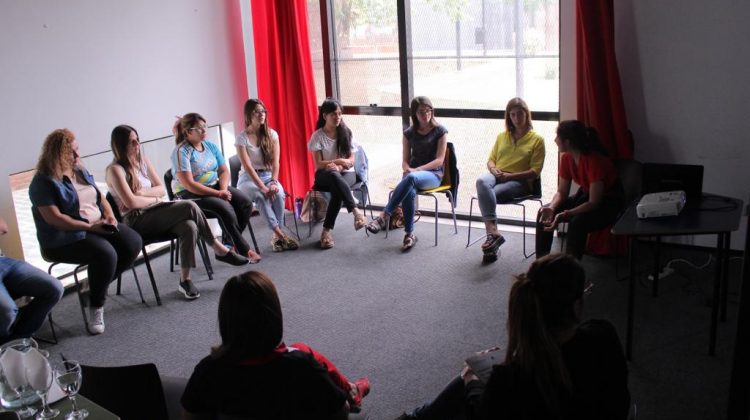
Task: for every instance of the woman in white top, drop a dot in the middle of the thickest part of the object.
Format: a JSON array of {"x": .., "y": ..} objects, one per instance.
[
  {"x": 138, "y": 192},
  {"x": 258, "y": 149},
  {"x": 332, "y": 148}
]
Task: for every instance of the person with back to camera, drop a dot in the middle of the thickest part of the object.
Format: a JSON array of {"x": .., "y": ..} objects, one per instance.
[
  {"x": 423, "y": 150},
  {"x": 515, "y": 161},
  {"x": 253, "y": 374},
  {"x": 201, "y": 173},
  {"x": 596, "y": 203},
  {"x": 75, "y": 224},
  {"x": 17, "y": 279},
  {"x": 556, "y": 366},
  {"x": 258, "y": 149},
  {"x": 138, "y": 192},
  {"x": 333, "y": 150}
]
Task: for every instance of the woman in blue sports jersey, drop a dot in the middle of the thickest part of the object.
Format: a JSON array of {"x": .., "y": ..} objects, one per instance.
[{"x": 200, "y": 172}]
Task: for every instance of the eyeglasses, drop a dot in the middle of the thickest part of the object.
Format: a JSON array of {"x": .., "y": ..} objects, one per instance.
[
  {"x": 259, "y": 113},
  {"x": 424, "y": 112},
  {"x": 200, "y": 130}
]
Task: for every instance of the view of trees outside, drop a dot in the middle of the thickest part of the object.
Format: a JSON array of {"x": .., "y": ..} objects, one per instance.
[{"x": 466, "y": 54}]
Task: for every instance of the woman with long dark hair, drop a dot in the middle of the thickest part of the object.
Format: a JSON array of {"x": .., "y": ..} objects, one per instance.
[
  {"x": 201, "y": 174},
  {"x": 332, "y": 148},
  {"x": 258, "y": 149},
  {"x": 596, "y": 203},
  {"x": 74, "y": 222},
  {"x": 253, "y": 374},
  {"x": 556, "y": 366},
  {"x": 138, "y": 191},
  {"x": 423, "y": 150}
]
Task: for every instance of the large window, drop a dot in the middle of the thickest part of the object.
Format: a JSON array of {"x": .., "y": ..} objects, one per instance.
[{"x": 469, "y": 56}]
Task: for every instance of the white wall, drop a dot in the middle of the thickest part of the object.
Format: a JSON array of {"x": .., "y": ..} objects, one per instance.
[
  {"x": 684, "y": 70},
  {"x": 92, "y": 64}
]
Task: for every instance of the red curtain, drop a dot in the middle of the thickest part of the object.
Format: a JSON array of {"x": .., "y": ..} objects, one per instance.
[
  {"x": 600, "y": 102},
  {"x": 285, "y": 84}
]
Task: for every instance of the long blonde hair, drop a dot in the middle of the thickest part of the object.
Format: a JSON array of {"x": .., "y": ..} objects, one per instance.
[{"x": 57, "y": 144}]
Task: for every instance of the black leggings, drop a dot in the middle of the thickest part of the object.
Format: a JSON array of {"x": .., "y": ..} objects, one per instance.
[
  {"x": 580, "y": 225},
  {"x": 234, "y": 214},
  {"x": 107, "y": 257},
  {"x": 339, "y": 185}
]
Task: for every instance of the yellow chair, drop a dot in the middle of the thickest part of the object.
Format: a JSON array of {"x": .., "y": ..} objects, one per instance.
[{"x": 449, "y": 187}]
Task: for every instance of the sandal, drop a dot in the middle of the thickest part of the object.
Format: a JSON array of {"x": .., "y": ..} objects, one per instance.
[
  {"x": 289, "y": 244},
  {"x": 326, "y": 240},
  {"x": 410, "y": 240},
  {"x": 253, "y": 257},
  {"x": 493, "y": 242},
  {"x": 359, "y": 221},
  {"x": 376, "y": 225}
]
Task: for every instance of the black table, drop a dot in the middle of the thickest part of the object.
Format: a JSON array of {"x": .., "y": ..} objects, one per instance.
[{"x": 716, "y": 215}]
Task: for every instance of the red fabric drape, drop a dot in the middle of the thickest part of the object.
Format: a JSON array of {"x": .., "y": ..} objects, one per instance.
[
  {"x": 600, "y": 102},
  {"x": 285, "y": 84}
]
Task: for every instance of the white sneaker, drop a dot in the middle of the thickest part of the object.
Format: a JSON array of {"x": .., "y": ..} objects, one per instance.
[{"x": 96, "y": 320}]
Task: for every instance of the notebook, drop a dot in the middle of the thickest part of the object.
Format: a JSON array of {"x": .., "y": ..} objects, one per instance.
[
  {"x": 481, "y": 363},
  {"x": 658, "y": 177}
]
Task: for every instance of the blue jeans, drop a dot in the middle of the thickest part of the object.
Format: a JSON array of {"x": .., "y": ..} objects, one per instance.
[
  {"x": 490, "y": 192},
  {"x": 406, "y": 193},
  {"x": 272, "y": 209},
  {"x": 18, "y": 278}
]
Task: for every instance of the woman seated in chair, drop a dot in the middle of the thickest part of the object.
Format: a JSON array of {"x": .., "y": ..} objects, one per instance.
[
  {"x": 515, "y": 161},
  {"x": 596, "y": 203},
  {"x": 258, "y": 149},
  {"x": 423, "y": 150},
  {"x": 74, "y": 222},
  {"x": 332, "y": 148},
  {"x": 138, "y": 192},
  {"x": 555, "y": 367},
  {"x": 201, "y": 173},
  {"x": 253, "y": 374}
]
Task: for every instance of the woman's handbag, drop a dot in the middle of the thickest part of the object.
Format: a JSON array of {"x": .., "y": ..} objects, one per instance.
[{"x": 314, "y": 207}]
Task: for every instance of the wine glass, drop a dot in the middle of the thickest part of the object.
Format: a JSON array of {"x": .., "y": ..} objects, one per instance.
[
  {"x": 68, "y": 376},
  {"x": 40, "y": 382}
]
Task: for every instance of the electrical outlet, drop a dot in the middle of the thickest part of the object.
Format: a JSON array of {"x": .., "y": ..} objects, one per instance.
[{"x": 665, "y": 272}]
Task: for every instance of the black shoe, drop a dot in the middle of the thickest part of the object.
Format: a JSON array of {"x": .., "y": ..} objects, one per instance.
[
  {"x": 489, "y": 257},
  {"x": 492, "y": 244},
  {"x": 232, "y": 258},
  {"x": 188, "y": 289}
]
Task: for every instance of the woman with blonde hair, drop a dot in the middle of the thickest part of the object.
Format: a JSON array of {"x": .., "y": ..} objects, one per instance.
[
  {"x": 138, "y": 191},
  {"x": 258, "y": 149},
  {"x": 75, "y": 224}
]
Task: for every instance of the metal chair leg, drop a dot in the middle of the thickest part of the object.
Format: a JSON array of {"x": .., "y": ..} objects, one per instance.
[
  {"x": 135, "y": 276},
  {"x": 151, "y": 277},
  {"x": 203, "y": 250},
  {"x": 81, "y": 300}
]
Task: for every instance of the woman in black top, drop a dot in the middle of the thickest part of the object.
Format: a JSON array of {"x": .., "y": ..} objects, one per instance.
[
  {"x": 253, "y": 374},
  {"x": 423, "y": 151},
  {"x": 555, "y": 367}
]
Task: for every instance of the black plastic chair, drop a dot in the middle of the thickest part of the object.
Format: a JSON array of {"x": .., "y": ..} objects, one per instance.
[
  {"x": 234, "y": 171},
  {"x": 536, "y": 195},
  {"x": 130, "y": 392},
  {"x": 209, "y": 214},
  {"x": 81, "y": 292}
]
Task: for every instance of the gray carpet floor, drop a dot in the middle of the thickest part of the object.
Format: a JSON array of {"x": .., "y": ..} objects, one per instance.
[{"x": 407, "y": 321}]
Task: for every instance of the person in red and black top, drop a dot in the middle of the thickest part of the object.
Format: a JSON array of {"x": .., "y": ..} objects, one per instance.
[
  {"x": 598, "y": 200},
  {"x": 253, "y": 374}
]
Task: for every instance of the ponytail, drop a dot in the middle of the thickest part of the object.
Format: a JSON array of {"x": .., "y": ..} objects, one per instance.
[
  {"x": 582, "y": 138},
  {"x": 532, "y": 347},
  {"x": 185, "y": 123}
]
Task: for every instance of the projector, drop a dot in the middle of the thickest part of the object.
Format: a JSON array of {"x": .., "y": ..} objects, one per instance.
[{"x": 667, "y": 203}]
